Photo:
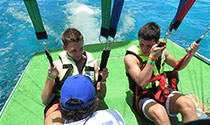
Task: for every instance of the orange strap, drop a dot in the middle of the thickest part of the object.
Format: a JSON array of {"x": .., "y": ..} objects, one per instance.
[{"x": 153, "y": 58}]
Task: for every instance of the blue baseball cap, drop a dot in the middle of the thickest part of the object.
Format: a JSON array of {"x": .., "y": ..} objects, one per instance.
[{"x": 77, "y": 87}]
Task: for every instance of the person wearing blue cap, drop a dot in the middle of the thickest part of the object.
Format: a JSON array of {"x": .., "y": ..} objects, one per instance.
[
  {"x": 72, "y": 61},
  {"x": 79, "y": 103}
]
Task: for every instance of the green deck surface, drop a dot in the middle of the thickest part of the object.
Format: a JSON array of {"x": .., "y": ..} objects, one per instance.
[{"x": 25, "y": 106}]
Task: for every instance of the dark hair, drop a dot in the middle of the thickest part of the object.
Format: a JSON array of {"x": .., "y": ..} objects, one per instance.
[
  {"x": 71, "y": 35},
  {"x": 150, "y": 31},
  {"x": 78, "y": 114}
]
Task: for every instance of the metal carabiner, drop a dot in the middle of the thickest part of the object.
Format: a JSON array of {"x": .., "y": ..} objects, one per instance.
[
  {"x": 101, "y": 40},
  {"x": 201, "y": 37},
  {"x": 44, "y": 44},
  {"x": 110, "y": 41},
  {"x": 208, "y": 28},
  {"x": 168, "y": 34},
  {"x": 107, "y": 43}
]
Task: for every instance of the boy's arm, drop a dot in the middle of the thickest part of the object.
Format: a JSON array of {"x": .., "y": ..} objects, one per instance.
[
  {"x": 170, "y": 60},
  {"x": 141, "y": 77},
  {"x": 100, "y": 85},
  {"x": 50, "y": 82}
]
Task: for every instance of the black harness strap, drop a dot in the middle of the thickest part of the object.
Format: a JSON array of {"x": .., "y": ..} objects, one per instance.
[{"x": 70, "y": 67}]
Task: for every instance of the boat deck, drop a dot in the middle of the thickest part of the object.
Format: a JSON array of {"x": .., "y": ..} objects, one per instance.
[{"x": 25, "y": 105}]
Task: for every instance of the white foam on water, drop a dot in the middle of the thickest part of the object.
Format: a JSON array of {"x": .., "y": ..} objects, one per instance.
[
  {"x": 127, "y": 25},
  {"x": 85, "y": 18}
]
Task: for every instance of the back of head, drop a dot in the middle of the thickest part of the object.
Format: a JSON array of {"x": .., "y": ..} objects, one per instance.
[
  {"x": 149, "y": 32},
  {"x": 78, "y": 98},
  {"x": 71, "y": 35}
]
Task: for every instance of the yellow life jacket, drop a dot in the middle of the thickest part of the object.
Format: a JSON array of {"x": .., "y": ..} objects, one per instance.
[
  {"x": 137, "y": 51},
  {"x": 70, "y": 68}
]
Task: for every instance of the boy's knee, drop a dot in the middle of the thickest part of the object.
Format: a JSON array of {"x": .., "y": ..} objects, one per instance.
[
  {"x": 158, "y": 113},
  {"x": 160, "y": 116},
  {"x": 187, "y": 104}
]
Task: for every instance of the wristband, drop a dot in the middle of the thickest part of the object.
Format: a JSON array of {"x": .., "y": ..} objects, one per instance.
[
  {"x": 49, "y": 78},
  {"x": 103, "y": 82},
  {"x": 190, "y": 55},
  {"x": 152, "y": 57},
  {"x": 151, "y": 62}
]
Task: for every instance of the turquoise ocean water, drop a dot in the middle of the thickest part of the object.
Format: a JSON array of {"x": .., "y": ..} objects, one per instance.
[{"x": 18, "y": 41}]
